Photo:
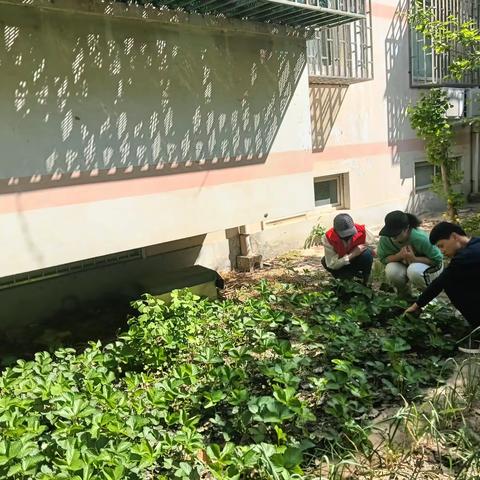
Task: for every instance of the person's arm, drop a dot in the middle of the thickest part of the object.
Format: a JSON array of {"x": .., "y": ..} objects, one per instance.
[
  {"x": 332, "y": 258},
  {"x": 386, "y": 251},
  {"x": 397, "y": 257},
  {"x": 434, "y": 288},
  {"x": 410, "y": 257},
  {"x": 427, "y": 253}
]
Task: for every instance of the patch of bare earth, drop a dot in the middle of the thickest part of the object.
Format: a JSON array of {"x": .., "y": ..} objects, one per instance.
[{"x": 423, "y": 459}]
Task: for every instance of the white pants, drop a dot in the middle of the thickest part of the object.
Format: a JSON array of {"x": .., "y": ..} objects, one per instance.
[{"x": 399, "y": 275}]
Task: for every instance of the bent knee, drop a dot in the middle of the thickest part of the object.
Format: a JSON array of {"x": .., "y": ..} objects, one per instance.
[
  {"x": 415, "y": 273},
  {"x": 395, "y": 272}
]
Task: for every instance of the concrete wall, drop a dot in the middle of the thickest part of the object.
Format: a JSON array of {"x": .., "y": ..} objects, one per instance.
[
  {"x": 126, "y": 128},
  {"x": 362, "y": 131},
  {"x": 119, "y": 133}
]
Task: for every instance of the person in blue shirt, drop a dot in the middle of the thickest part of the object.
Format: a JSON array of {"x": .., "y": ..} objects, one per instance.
[{"x": 461, "y": 279}]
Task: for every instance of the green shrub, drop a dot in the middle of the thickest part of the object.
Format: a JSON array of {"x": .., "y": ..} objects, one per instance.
[
  {"x": 471, "y": 224},
  {"x": 238, "y": 390}
]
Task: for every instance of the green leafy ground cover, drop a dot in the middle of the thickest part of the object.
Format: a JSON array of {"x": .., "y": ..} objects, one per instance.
[{"x": 281, "y": 385}]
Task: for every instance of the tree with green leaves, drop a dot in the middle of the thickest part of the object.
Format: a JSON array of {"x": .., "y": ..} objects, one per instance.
[
  {"x": 428, "y": 118},
  {"x": 458, "y": 37}
]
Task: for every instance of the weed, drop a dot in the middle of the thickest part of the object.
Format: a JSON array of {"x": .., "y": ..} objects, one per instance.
[{"x": 315, "y": 236}]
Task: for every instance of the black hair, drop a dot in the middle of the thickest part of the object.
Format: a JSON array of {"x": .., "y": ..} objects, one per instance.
[
  {"x": 413, "y": 221},
  {"x": 443, "y": 230}
]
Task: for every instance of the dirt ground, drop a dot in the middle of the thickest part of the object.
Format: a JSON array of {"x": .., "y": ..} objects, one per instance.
[{"x": 298, "y": 266}]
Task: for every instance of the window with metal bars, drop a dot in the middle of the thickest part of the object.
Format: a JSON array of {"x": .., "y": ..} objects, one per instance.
[
  {"x": 429, "y": 68},
  {"x": 342, "y": 54}
]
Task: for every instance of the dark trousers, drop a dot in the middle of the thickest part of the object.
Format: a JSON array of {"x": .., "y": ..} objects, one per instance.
[{"x": 360, "y": 267}]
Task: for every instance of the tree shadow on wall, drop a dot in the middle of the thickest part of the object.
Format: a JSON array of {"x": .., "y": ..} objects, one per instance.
[
  {"x": 109, "y": 99},
  {"x": 398, "y": 92},
  {"x": 424, "y": 202},
  {"x": 325, "y": 103}
]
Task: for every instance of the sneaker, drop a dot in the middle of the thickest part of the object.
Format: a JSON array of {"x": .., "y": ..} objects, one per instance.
[{"x": 471, "y": 342}]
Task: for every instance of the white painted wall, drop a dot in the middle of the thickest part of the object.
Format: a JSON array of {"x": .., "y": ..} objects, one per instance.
[
  {"x": 370, "y": 137},
  {"x": 120, "y": 132},
  {"x": 53, "y": 236},
  {"x": 83, "y": 93},
  {"x": 142, "y": 106}
]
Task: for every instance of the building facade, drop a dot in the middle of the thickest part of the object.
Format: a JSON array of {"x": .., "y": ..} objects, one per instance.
[{"x": 131, "y": 131}]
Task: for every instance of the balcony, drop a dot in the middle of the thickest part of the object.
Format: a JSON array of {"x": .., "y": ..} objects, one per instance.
[
  {"x": 342, "y": 54},
  {"x": 429, "y": 68},
  {"x": 292, "y": 13}
]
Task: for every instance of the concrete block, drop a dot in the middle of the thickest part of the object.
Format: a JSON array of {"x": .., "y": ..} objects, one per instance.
[{"x": 248, "y": 263}]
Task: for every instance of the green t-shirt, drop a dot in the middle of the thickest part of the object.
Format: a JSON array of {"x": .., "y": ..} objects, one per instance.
[{"x": 418, "y": 241}]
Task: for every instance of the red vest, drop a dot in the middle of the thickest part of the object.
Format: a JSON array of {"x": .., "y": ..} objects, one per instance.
[{"x": 339, "y": 245}]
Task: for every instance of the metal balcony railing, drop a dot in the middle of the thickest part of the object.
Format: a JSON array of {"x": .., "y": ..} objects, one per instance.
[
  {"x": 342, "y": 54},
  {"x": 428, "y": 68},
  {"x": 294, "y": 13}
]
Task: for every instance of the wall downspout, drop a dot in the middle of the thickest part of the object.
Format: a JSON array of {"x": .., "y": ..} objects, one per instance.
[{"x": 474, "y": 158}]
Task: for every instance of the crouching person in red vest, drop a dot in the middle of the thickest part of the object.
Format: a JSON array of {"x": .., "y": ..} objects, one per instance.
[{"x": 348, "y": 249}]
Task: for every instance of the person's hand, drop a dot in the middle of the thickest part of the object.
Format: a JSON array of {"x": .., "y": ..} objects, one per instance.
[
  {"x": 412, "y": 309},
  {"x": 358, "y": 250},
  {"x": 408, "y": 254},
  {"x": 399, "y": 256}
]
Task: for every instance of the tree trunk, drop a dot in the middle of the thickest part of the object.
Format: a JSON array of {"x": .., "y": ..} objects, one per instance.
[{"x": 452, "y": 213}]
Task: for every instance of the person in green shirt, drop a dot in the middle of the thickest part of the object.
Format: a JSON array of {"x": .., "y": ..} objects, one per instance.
[{"x": 408, "y": 256}]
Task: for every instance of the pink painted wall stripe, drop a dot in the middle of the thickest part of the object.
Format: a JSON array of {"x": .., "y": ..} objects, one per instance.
[
  {"x": 277, "y": 164},
  {"x": 289, "y": 163}
]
